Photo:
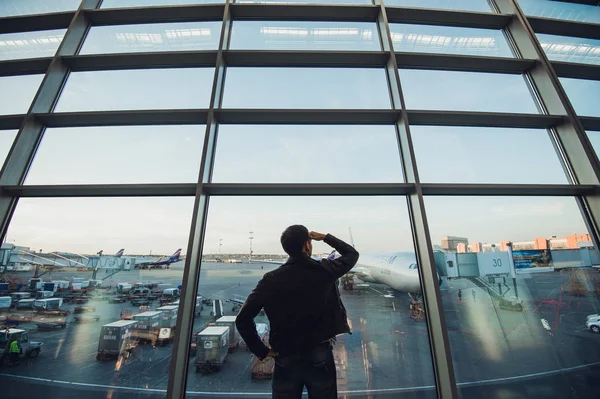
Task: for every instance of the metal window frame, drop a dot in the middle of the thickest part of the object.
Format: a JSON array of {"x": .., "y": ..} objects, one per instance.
[{"x": 565, "y": 126}]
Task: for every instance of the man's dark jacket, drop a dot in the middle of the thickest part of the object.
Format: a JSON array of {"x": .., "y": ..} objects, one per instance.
[{"x": 302, "y": 302}]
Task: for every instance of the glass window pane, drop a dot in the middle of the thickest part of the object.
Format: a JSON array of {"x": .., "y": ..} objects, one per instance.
[
  {"x": 6, "y": 140},
  {"x": 295, "y": 154},
  {"x": 22, "y": 45},
  {"x": 382, "y": 338},
  {"x": 449, "y": 40},
  {"x": 136, "y": 89},
  {"x": 584, "y": 95},
  {"x": 122, "y": 154},
  {"x": 466, "y": 91},
  {"x": 10, "y": 8},
  {"x": 570, "y": 49},
  {"x": 141, "y": 3},
  {"x": 516, "y": 325},
  {"x": 467, "y": 5},
  {"x": 561, "y": 10},
  {"x": 295, "y": 35},
  {"x": 595, "y": 140},
  {"x": 17, "y": 92},
  {"x": 306, "y": 1},
  {"x": 186, "y": 36},
  {"x": 65, "y": 238},
  {"x": 311, "y": 88},
  {"x": 486, "y": 155}
]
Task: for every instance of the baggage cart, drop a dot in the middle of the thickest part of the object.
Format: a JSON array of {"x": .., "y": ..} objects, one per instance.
[
  {"x": 212, "y": 346},
  {"x": 116, "y": 340},
  {"x": 234, "y": 335},
  {"x": 168, "y": 317},
  {"x": 261, "y": 369},
  {"x": 51, "y": 325}
]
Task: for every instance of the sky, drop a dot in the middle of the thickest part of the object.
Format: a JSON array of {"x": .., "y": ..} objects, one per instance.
[{"x": 290, "y": 154}]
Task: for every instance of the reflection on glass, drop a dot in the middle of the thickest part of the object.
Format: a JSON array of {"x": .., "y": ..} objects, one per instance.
[
  {"x": 10, "y": 8},
  {"x": 99, "y": 262},
  {"x": 467, "y": 5},
  {"x": 311, "y": 88},
  {"x": 561, "y": 10},
  {"x": 285, "y": 153},
  {"x": 136, "y": 89},
  {"x": 466, "y": 91},
  {"x": 449, "y": 40},
  {"x": 384, "y": 337},
  {"x": 594, "y": 138},
  {"x": 510, "y": 316},
  {"x": 124, "y": 154},
  {"x": 187, "y": 36},
  {"x": 286, "y": 35},
  {"x": 22, "y": 45},
  {"x": 570, "y": 49},
  {"x": 17, "y": 92},
  {"x": 584, "y": 95},
  {"x": 141, "y": 3},
  {"x": 304, "y": 1},
  {"x": 6, "y": 140},
  {"x": 486, "y": 155}
]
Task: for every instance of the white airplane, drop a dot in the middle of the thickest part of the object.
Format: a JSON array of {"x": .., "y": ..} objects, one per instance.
[{"x": 397, "y": 270}]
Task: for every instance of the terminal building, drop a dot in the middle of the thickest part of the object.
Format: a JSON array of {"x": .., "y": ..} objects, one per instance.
[{"x": 141, "y": 126}]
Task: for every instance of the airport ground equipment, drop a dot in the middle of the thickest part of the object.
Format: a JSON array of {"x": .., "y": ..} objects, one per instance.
[
  {"x": 148, "y": 327},
  {"x": 28, "y": 348},
  {"x": 168, "y": 317},
  {"x": 347, "y": 282},
  {"x": 263, "y": 332},
  {"x": 51, "y": 325},
  {"x": 116, "y": 340},
  {"x": 593, "y": 323},
  {"x": 117, "y": 299},
  {"x": 212, "y": 346},
  {"x": 416, "y": 310},
  {"x": 234, "y": 335},
  {"x": 140, "y": 302},
  {"x": 261, "y": 369},
  {"x": 84, "y": 309},
  {"x": 48, "y": 304},
  {"x": 5, "y": 303},
  {"x": 24, "y": 304}
]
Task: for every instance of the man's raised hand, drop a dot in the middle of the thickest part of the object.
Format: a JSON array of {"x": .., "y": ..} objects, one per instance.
[{"x": 317, "y": 236}]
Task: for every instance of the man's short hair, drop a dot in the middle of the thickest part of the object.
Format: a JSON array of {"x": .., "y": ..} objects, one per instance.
[{"x": 293, "y": 239}]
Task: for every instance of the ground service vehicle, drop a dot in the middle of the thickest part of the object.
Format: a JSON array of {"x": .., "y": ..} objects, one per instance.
[
  {"x": 212, "y": 346},
  {"x": 48, "y": 304},
  {"x": 148, "y": 326},
  {"x": 116, "y": 340},
  {"x": 28, "y": 348},
  {"x": 234, "y": 336},
  {"x": 593, "y": 323}
]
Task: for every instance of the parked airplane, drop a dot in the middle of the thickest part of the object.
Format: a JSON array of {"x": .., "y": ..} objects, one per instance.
[
  {"x": 162, "y": 262},
  {"x": 397, "y": 270}
]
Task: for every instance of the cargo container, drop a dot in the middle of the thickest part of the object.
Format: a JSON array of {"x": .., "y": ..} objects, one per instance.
[
  {"x": 234, "y": 335},
  {"x": 48, "y": 304},
  {"x": 44, "y": 294},
  {"x": 25, "y": 303},
  {"x": 171, "y": 292},
  {"x": 49, "y": 286},
  {"x": 5, "y": 303},
  {"x": 18, "y": 296},
  {"x": 34, "y": 283},
  {"x": 116, "y": 340},
  {"x": 62, "y": 284},
  {"x": 212, "y": 345},
  {"x": 4, "y": 287},
  {"x": 168, "y": 318},
  {"x": 148, "y": 327},
  {"x": 76, "y": 287}
]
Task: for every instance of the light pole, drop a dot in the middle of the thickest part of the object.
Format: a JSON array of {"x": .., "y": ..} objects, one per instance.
[{"x": 251, "y": 238}]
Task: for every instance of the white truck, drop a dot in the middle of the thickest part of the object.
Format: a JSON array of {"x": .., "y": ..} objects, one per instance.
[
  {"x": 593, "y": 323},
  {"x": 28, "y": 348}
]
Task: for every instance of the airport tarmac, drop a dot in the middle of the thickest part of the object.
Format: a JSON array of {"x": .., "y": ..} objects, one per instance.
[{"x": 388, "y": 355}]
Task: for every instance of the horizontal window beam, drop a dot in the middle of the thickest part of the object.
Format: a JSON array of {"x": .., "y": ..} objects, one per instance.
[
  {"x": 465, "y": 19},
  {"x": 36, "y": 22},
  {"x": 29, "y": 66},
  {"x": 578, "y": 71},
  {"x": 124, "y": 118},
  {"x": 565, "y": 28},
  {"x": 144, "y": 15},
  {"x": 463, "y": 63},
  {"x": 304, "y": 12},
  {"x": 590, "y": 122},
  {"x": 175, "y": 59},
  {"x": 483, "y": 119},
  {"x": 545, "y": 190},
  {"x": 356, "y": 59},
  {"x": 11, "y": 121},
  {"x": 307, "y": 116},
  {"x": 102, "y": 190},
  {"x": 309, "y": 189}
]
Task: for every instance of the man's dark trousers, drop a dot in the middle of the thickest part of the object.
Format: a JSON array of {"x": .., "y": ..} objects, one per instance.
[{"x": 314, "y": 369}]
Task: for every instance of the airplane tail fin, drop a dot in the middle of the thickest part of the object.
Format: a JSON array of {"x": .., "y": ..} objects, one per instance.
[
  {"x": 175, "y": 256},
  {"x": 332, "y": 255},
  {"x": 351, "y": 238},
  {"x": 120, "y": 253}
]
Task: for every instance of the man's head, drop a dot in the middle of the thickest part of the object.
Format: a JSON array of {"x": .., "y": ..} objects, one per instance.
[{"x": 295, "y": 240}]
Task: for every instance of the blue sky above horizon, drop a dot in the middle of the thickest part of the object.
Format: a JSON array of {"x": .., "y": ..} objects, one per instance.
[{"x": 290, "y": 154}]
